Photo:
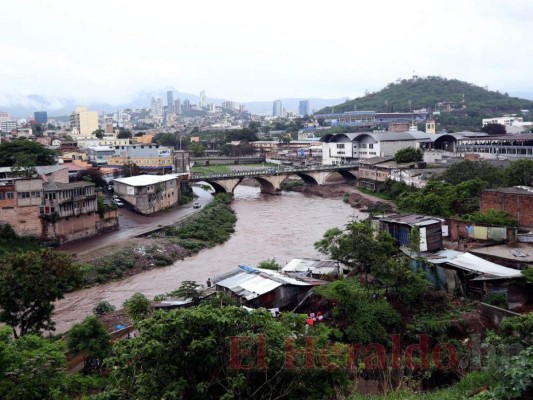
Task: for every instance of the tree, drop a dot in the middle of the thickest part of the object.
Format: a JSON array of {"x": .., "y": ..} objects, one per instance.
[
  {"x": 200, "y": 353},
  {"x": 138, "y": 307},
  {"x": 408, "y": 154},
  {"x": 29, "y": 284},
  {"x": 166, "y": 139},
  {"x": 357, "y": 246},
  {"x": 493, "y": 217},
  {"x": 91, "y": 338},
  {"x": 468, "y": 170},
  {"x": 270, "y": 264},
  {"x": 197, "y": 149},
  {"x": 494, "y": 129},
  {"x": 25, "y": 165},
  {"x": 10, "y": 152},
  {"x": 31, "y": 367},
  {"x": 99, "y": 133},
  {"x": 519, "y": 173},
  {"x": 124, "y": 134},
  {"x": 103, "y": 307},
  {"x": 188, "y": 290},
  {"x": 93, "y": 175}
]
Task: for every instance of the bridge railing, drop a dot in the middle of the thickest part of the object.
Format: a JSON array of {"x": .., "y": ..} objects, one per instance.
[{"x": 272, "y": 171}]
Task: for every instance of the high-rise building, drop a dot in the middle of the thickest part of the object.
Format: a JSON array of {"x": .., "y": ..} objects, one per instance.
[
  {"x": 177, "y": 106},
  {"x": 203, "y": 99},
  {"x": 156, "y": 106},
  {"x": 170, "y": 101},
  {"x": 83, "y": 121},
  {"x": 304, "y": 108},
  {"x": 186, "y": 106},
  {"x": 277, "y": 108},
  {"x": 40, "y": 117}
]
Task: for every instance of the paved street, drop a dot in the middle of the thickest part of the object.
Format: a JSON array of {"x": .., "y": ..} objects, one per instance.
[{"x": 133, "y": 224}]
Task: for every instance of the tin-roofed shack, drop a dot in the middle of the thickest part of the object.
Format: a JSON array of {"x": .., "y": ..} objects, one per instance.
[
  {"x": 399, "y": 226},
  {"x": 265, "y": 288},
  {"x": 465, "y": 273},
  {"x": 314, "y": 268}
]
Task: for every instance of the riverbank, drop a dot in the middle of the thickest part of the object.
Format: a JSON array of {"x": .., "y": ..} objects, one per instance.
[
  {"x": 348, "y": 193},
  {"x": 211, "y": 226}
]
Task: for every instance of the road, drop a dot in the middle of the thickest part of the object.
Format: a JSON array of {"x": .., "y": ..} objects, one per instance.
[{"x": 133, "y": 224}]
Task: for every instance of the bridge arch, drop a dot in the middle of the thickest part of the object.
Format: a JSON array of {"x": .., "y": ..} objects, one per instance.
[
  {"x": 223, "y": 186},
  {"x": 268, "y": 185},
  {"x": 308, "y": 179},
  {"x": 349, "y": 176}
]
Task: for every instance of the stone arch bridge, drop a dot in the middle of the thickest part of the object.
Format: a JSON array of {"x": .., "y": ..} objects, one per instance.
[{"x": 271, "y": 179}]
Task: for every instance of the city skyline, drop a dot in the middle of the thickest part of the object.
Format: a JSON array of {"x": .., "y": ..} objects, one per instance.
[{"x": 112, "y": 52}]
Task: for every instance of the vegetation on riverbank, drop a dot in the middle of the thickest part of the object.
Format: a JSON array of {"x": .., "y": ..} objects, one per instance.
[
  {"x": 212, "y": 225},
  {"x": 11, "y": 243}
]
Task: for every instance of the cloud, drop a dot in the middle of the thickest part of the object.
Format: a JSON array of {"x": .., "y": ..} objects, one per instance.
[{"x": 110, "y": 51}]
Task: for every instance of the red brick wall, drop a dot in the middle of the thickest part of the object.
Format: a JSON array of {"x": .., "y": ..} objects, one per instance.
[{"x": 520, "y": 206}]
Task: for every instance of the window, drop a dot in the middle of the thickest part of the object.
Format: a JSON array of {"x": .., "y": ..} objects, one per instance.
[
  {"x": 2, "y": 196},
  {"x": 370, "y": 146},
  {"x": 23, "y": 195},
  {"x": 10, "y": 195}
]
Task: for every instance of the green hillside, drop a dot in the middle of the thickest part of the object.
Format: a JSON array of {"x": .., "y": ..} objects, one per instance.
[{"x": 468, "y": 103}]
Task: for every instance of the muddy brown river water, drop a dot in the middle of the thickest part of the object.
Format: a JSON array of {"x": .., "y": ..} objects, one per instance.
[{"x": 281, "y": 227}]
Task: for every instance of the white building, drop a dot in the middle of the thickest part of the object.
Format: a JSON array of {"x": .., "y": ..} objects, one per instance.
[
  {"x": 149, "y": 193},
  {"x": 506, "y": 120},
  {"x": 344, "y": 148}
]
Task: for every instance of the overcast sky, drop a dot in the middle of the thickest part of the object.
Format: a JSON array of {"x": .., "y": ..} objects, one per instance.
[{"x": 109, "y": 50}]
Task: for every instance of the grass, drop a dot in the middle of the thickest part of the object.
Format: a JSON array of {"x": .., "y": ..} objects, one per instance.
[
  {"x": 211, "y": 169},
  {"x": 464, "y": 389},
  {"x": 379, "y": 195}
]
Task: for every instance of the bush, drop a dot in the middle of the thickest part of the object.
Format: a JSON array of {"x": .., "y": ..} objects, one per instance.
[
  {"x": 102, "y": 308},
  {"x": 496, "y": 299},
  {"x": 269, "y": 264}
]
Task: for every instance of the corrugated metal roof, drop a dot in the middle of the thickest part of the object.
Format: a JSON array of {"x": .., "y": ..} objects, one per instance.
[
  {"x": 477, "y": 264},
  {"x": 317, "y": 267},
  {"x": 410, "y": 219},
  {"x": 257, "y": 282}
]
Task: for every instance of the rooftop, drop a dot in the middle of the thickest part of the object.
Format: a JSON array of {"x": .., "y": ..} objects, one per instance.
[
  {"x": 473, "y": 263},
  {"x": 411, "y": 219},
  {"x": 251, "y": 283},
  {"x": 144, "y": 180},
  {"x": 525, "y": 190}
]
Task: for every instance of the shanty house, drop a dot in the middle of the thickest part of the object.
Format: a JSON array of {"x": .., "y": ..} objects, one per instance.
[
  {"x": 469, "y": 274},
  {"x": 265, "y": 288},
  {"x": 400, "y": 226}
]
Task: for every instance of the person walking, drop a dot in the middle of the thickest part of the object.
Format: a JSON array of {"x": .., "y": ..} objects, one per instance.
[{"x": 208, "y": 282}]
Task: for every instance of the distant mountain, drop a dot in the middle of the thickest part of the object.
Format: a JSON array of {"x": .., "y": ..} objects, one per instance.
[
  {"x": 25, "y": 106},
  {"x": 412, "y": 94}
]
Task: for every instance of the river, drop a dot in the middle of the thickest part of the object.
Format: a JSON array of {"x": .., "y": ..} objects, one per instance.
[{"x": 280, "y": 227}]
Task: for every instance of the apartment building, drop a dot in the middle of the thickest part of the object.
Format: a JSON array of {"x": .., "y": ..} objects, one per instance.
[{"x": 48, "y": 207}]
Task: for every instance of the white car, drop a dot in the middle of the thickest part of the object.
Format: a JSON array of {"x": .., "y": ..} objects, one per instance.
[
  {"x": 196, "y": 205},
  {"x": 118, "y": 203}
]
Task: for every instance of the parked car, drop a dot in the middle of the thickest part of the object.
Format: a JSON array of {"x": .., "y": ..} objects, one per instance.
[
  {"x": 118, "y": 203},
  {"x": 196, "y": 205}
]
